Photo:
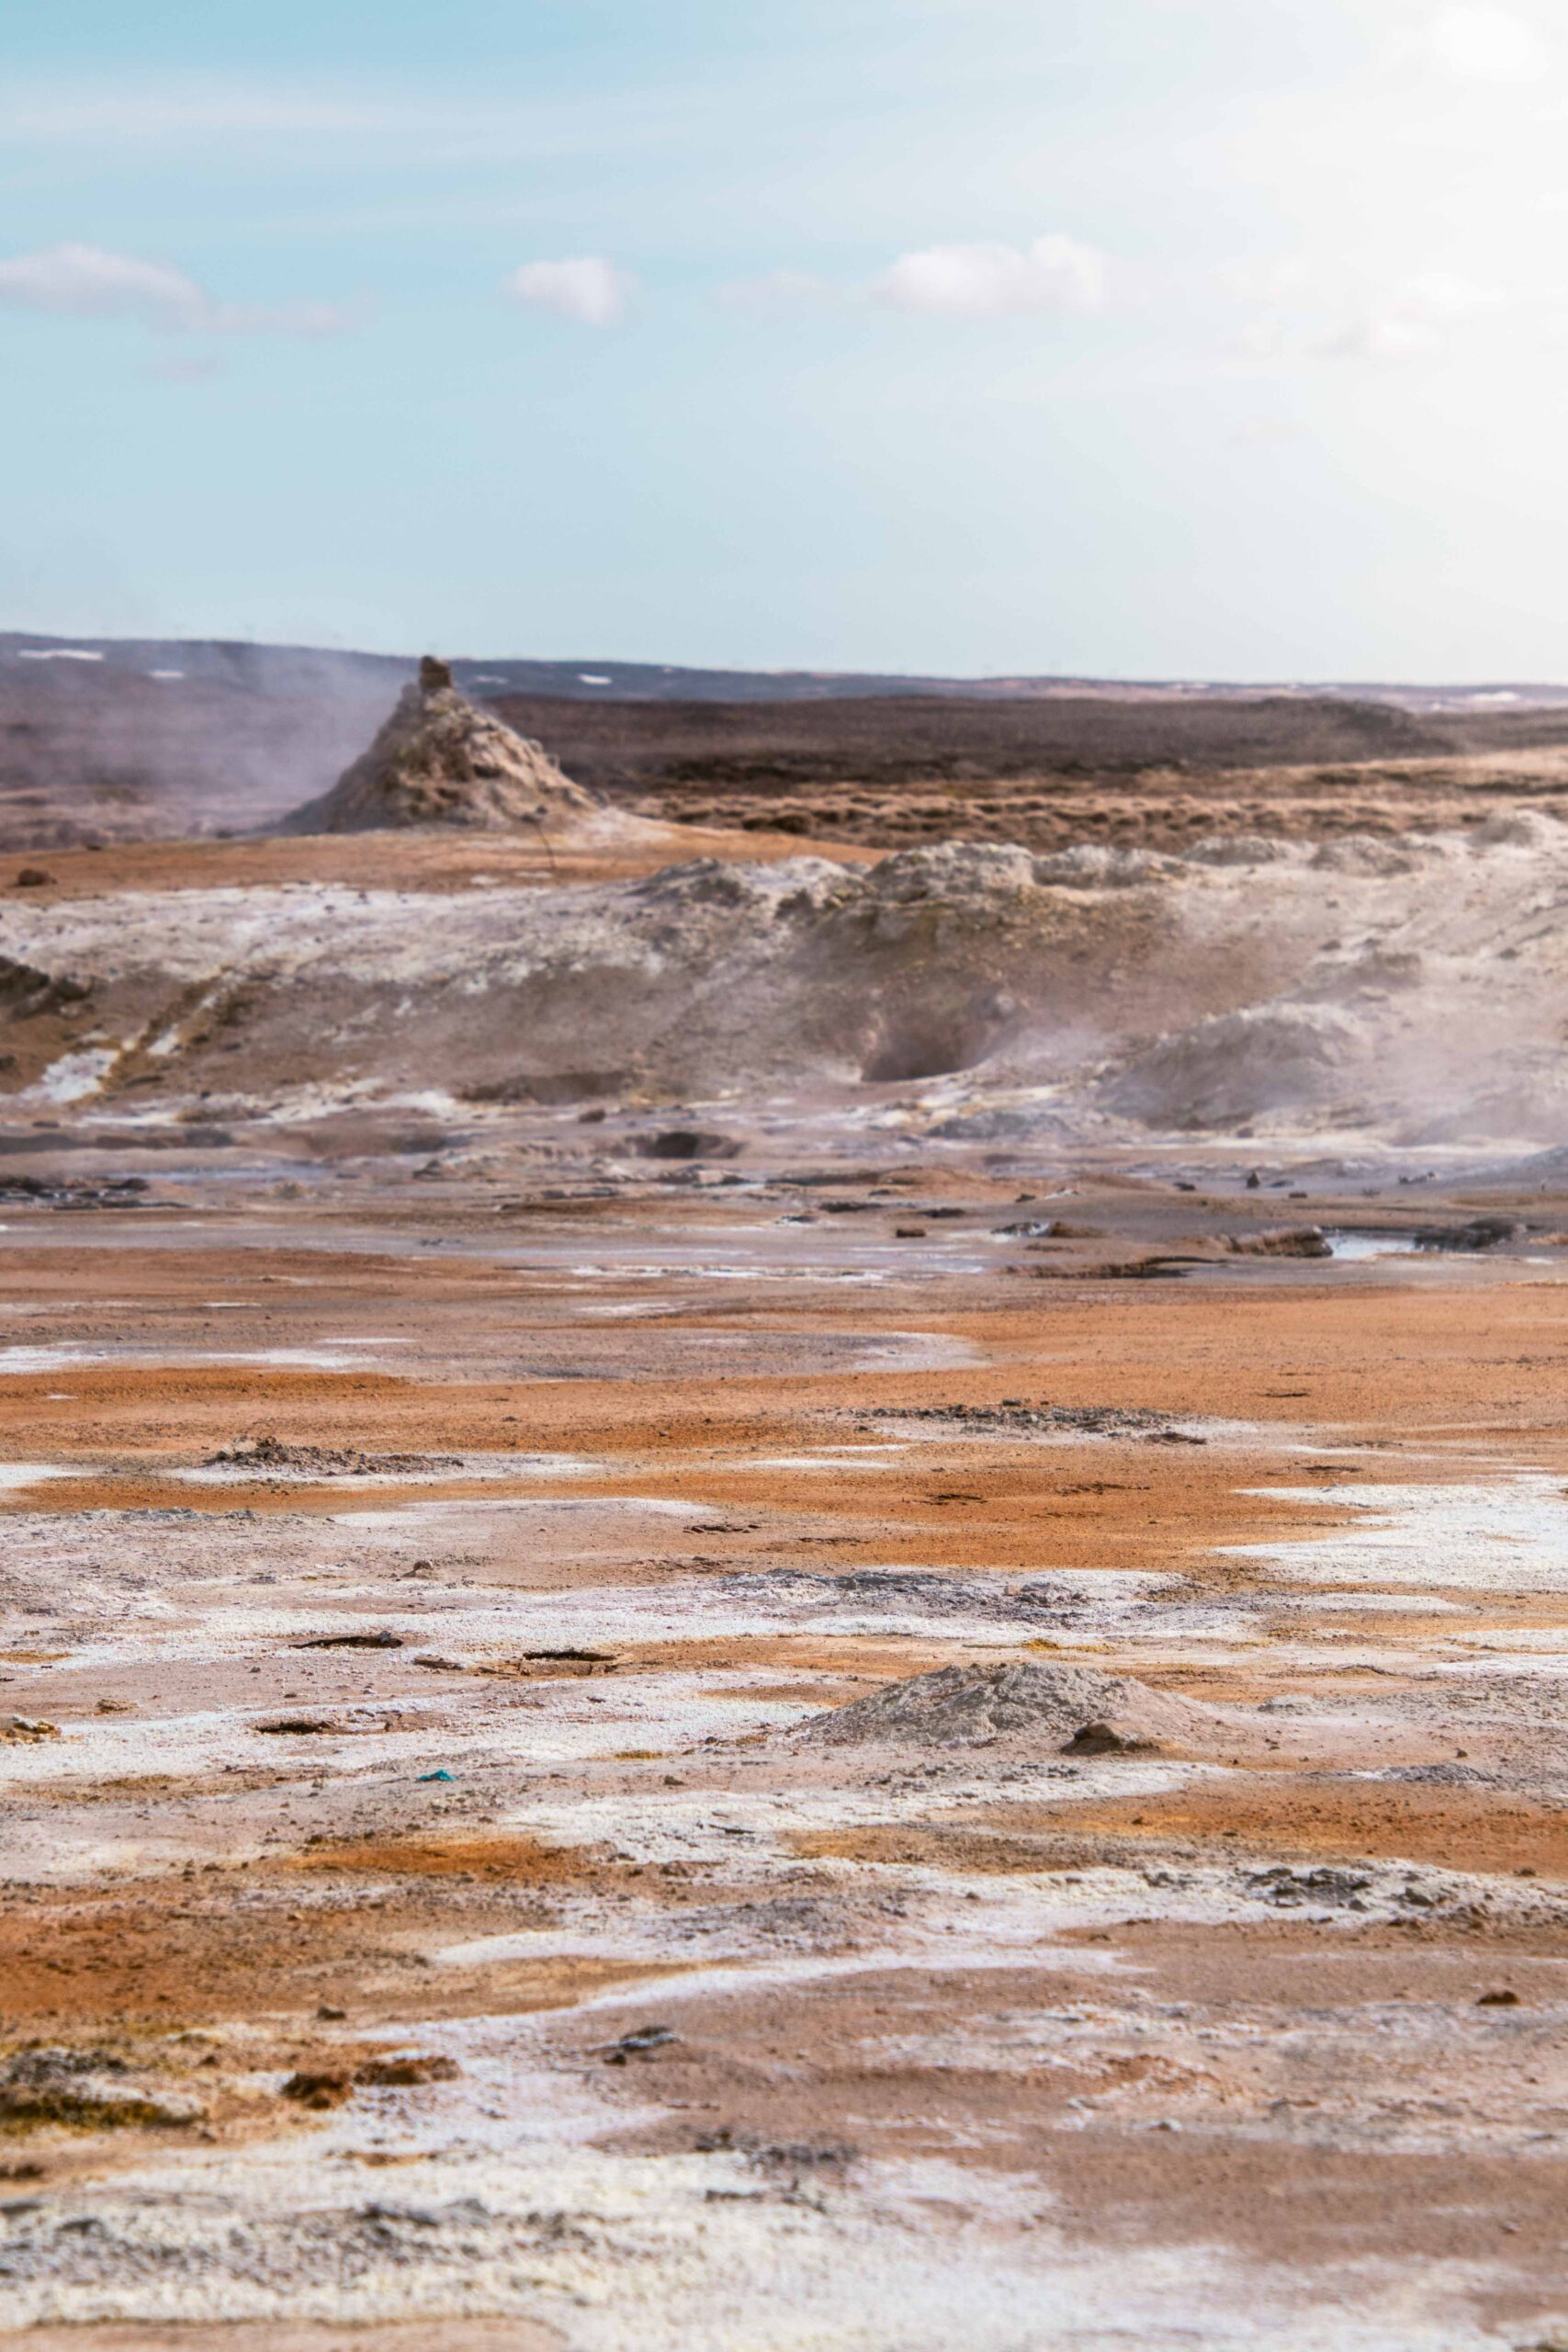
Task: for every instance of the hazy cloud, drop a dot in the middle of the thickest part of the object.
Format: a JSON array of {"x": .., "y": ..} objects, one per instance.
[
  {"x": 86, "y": 282},
  {"x": 781, "y": 290},
  {"x": 1477, "y": 42},
  {"x": 1304, "y": 313},
  {"x": 992, "y": 281},
  {"x": 587, "y": 288},
  {"x": 1410, "y": 320},
  {"x": 204, "y": 367},
  {"x": 202, "y": 110},
  {"x": 310, "y": 320}
]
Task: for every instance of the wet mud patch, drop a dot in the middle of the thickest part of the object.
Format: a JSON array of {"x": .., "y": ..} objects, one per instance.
[{"x": 1169, "y": 2102}]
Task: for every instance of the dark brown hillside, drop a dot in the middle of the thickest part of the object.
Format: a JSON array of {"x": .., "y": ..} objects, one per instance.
[{"x": 882, "y": 739}]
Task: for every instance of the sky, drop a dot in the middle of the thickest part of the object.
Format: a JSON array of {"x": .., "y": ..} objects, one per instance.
[{"x": 1221, "y": 339}]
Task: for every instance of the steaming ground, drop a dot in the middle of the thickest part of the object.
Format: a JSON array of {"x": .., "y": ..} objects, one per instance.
[
  {"x": 1406, "y": 991},
  {"x": 660, "y": 1694}
]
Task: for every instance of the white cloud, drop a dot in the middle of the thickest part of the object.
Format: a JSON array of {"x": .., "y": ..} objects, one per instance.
[
  {"x": 1476, "y": 42},
  {"x": 1437, "y": 296},
  {"x": 993, "y": 281},
  {"x": 86, "y": 282},
  {"x": 587, "y": 288}
]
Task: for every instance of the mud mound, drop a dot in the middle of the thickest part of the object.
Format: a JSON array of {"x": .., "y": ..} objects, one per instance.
[
  {"x": 439, "y": 761},
  {"x": 1365, "y": 853},
  {"x": 1519, "y": 829},
  {"x": 1237, "y": 1065},
  {"x": 793, "y": 887},
  {"x": 267, "y": 1453},
  {"x": 1035, "y": 1705},
  {"x": 952, "y": 871}
]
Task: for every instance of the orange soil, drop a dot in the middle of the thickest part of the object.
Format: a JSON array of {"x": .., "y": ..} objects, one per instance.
[{"x": 1486, "y": 1830}]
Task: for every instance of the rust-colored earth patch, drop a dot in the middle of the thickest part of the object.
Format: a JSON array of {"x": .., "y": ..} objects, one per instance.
[
  {"x": 924, "y": 1844},
  {"x": 1447, "y": 1829},
  {"x": 159, "y": 1958},
  {"x": 520, "y": 1861}
]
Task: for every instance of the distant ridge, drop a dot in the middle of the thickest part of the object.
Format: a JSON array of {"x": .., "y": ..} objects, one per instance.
[{"x": 295, "y": 670}]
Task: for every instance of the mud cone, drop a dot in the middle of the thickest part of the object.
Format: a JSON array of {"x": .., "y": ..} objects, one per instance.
[{"x": 441, "y": 761}]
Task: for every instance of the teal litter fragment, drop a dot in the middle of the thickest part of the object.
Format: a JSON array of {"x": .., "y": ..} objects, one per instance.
[{"x": 437, "y": 1776}]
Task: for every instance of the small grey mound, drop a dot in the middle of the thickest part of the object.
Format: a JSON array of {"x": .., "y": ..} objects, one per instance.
[
  {"x": 1238, "y": 849},
  {"x": 1042, "y": 1706},
  {"x": 1099, "y": 865}
]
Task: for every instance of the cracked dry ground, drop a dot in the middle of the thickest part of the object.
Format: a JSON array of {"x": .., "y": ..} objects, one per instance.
[{"x": 425, "y": 1925}]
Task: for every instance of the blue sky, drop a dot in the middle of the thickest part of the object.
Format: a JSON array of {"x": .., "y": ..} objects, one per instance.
[{"x": 1132, "y": 337}]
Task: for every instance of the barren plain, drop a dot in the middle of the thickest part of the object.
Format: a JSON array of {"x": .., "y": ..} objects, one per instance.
[{"x": 763, "y": 1595}]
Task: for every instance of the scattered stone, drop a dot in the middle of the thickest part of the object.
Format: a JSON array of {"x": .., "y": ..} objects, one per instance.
[
  {"x": 406, "y": 2073},
  {"x": 1282, "y": 1241},
  {"x": 84, "y": 2089},
  {"x": 640, "y": 2043},
  {"x": 28, "y": 1727},
  {"x": 1089, "y": 1420},
  {"x": 918, "y": 1593},
  {"x": 546, "y": 1664},
  {"x": 1287, "y": 1887},
  {"x": 773, "y": 2155},
  {"x": 1481, "y": 1233},
  {"x": 113, "y": 1192},
  {"x": 685, "y": 1143},
  {"x": 319, "y": 2087},
  {"x": 1111, "y": 1739},
  {"x": 1502, "y": 1999},
  {"x": 383, "y": 1640}
]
